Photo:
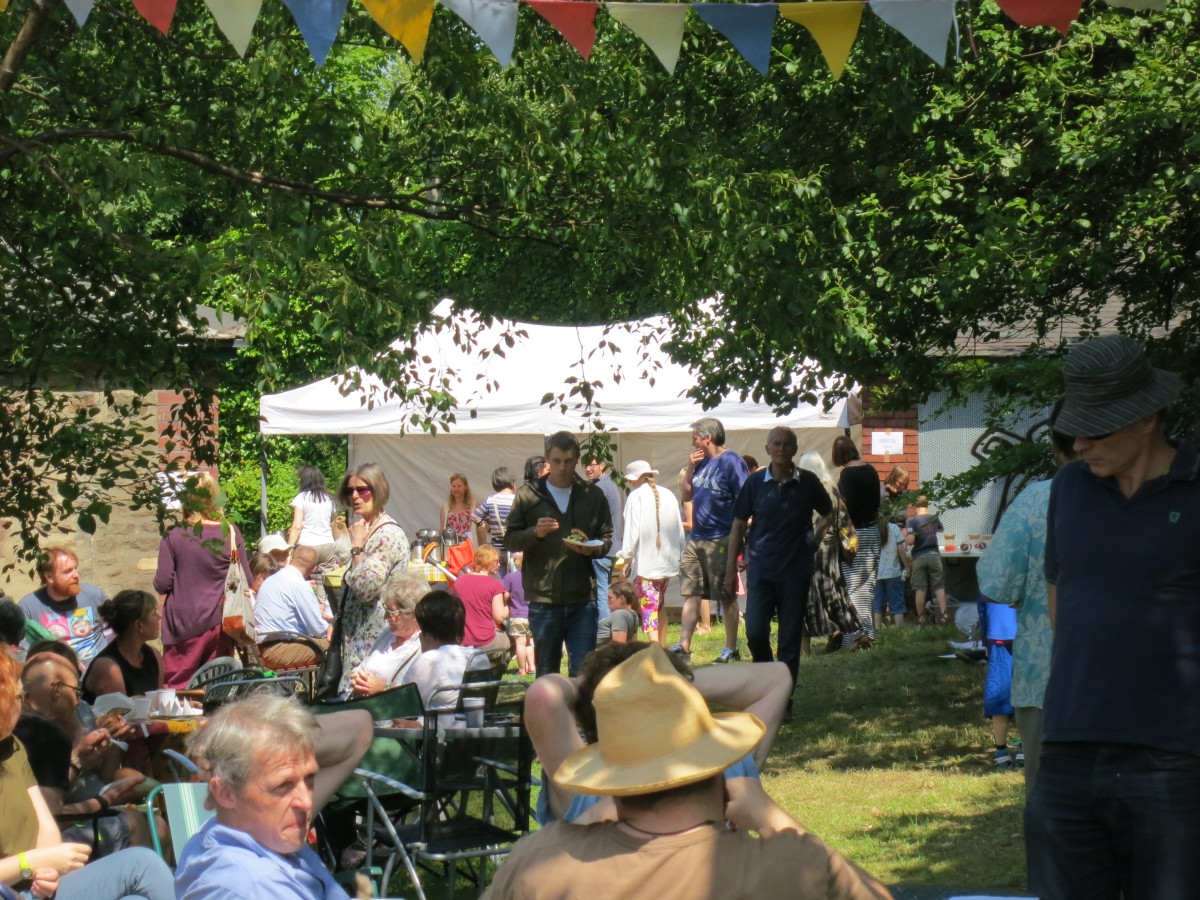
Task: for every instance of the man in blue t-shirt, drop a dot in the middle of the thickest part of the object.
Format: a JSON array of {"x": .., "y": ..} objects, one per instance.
[
  {"x": 1115, "y": 809},
  {"x": 781, "y": 501},
  {"x": 715, "y": 474}
]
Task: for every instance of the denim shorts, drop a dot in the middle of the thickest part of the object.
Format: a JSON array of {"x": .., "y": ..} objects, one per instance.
[{"x": 889, "y": 596}]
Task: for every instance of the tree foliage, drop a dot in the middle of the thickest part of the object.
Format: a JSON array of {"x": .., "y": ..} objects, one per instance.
[{"x": 861, "y": 230}]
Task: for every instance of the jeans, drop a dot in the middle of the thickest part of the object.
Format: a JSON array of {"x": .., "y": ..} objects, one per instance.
[
  {"x": 785, "y": 598},
  {"x": 552, "y": 624},
  {"x": 602, "y": 566},
  {"x": 136, "y": 872},
  {"x": 1112, "y": 820}
]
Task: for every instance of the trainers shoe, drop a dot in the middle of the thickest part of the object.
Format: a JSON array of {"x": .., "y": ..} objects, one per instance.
[
  {"x": 679, "y": 651},
  {"x": 728, "y": 655},
  {"x": 1003, "y": 760},
  {"x": 1020, "y": 756}
]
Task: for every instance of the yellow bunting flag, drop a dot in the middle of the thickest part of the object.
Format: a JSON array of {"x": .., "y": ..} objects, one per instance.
[
  {"x": 833, "y": 25},
  {"x": 406, "y": 20},
  {"x": 659, "y": 25},
  {"x": 3, "y": 5},
  {"x": 236, "y": 20}
]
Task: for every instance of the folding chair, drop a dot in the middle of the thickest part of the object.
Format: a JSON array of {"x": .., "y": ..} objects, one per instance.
[
  {"x": 183, "y": 804},
  {"x": 394, "y": 762},
  {"x": 213, "y": 669},
  {"x": 308, "y": 672},
  {"x": 474, "y": 790},
  {"x": 245, "y": 682}
]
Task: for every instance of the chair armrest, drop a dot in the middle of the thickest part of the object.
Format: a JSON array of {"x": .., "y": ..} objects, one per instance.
[
  {"x": 390, "y": 783},
  {"x": 177, "y": 759}
]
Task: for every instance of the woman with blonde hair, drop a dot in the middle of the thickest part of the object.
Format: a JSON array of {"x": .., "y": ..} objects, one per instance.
[
  {"x": 652, "y": 546},
  {"x": 378, "y": 548},
  {"x": 193, "y": 568},
  {"x": 458, "y": 509}
]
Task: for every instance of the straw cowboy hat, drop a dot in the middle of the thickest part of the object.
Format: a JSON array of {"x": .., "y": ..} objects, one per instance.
[
  {"x": 1110, "y": 384},
  {"x": 655, "y": 733}
]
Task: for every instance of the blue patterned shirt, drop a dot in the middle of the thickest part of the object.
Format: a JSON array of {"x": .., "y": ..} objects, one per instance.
[{"x": 1011, "y": 571}]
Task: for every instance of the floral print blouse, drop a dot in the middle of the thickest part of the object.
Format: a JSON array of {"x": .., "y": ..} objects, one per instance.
[{"x": 362, "y": 619}]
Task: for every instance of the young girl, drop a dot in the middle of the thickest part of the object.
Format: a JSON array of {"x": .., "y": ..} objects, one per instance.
[
  {"x": 625, "y": 616},
  {"x": 456, "y": 511},
  {"x": 518, "y": 619}
]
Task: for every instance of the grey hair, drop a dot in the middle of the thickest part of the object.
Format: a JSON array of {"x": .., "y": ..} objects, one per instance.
[
  {"x": 405, "y": 590},
  {"x": 813, "y": 462},
  {"x": 237, "y": 731},
  {"x": 710, "y": 428}
]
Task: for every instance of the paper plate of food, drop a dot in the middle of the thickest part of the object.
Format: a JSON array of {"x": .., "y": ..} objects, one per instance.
[{"x": 578, "y": 537}]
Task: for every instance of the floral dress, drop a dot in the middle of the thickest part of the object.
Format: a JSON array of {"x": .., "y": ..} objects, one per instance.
[
  {"x": 362, "y": 617},
  {"x": 460, "y": 521}
]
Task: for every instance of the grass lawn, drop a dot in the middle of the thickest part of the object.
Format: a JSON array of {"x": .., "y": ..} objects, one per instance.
[{"x": 888, "y": 759}]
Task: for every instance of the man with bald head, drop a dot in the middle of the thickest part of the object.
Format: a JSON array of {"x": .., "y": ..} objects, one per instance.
[
  {"x": 60, "y": 752},
  {"x": 781, "y": 501},
  {"x": 287, "y": 603}
]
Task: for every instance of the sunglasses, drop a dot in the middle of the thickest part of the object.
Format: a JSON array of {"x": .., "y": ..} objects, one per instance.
[
  {"x": 364, "y": 491},
  {"x": 392, "y": 613},
  {"x": 72, "y": 687},
  {"x": 1101, "y": 437}
]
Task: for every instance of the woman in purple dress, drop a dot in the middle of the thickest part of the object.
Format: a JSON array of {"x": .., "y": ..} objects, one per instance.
[{"x": 193, "y": 566}]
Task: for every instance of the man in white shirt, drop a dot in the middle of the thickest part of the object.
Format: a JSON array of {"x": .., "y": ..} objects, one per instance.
[{"x": 287, "y": 603}]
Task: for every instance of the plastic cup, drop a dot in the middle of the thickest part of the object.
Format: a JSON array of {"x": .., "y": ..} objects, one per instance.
[{"x": 473, "y": 708}]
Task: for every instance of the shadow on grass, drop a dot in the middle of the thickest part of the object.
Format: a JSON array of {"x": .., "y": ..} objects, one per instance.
[{"x": 896, "y": 705}]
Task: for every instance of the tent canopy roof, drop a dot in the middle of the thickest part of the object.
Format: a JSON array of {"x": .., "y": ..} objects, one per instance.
[{"x": 499, "y": 387}]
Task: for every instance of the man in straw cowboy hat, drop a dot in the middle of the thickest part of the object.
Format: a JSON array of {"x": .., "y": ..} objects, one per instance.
[
  {"x": 681, "y": 829},
  {"x": 1115, "y": 810}
]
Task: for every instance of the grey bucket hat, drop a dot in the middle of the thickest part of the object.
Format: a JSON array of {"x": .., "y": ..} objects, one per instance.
[{"x": 1109, "y": 383}]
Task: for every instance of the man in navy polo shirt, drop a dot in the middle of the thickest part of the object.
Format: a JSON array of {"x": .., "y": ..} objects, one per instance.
[
  {"x": 1115, "y": 810},
  {"x": 781, "y": 501}
]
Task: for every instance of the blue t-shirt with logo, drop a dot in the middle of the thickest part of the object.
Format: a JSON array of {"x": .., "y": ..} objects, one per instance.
[{"x": 716, "y": 483}]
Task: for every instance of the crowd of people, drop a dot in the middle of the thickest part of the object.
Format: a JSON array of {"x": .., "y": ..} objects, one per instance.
[{"x": 636, "y": 766}]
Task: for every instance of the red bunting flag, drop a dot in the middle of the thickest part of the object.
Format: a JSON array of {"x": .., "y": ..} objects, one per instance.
[
  {"x": 158, "y": 13},
  {"x": 574, "y": 19},
  {"x": 1057, "y": 13}
]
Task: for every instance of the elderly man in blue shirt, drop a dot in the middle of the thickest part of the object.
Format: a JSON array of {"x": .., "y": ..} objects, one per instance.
[
  {"x": 781, "y": 502},
  {"x": 263, "y": 757}
]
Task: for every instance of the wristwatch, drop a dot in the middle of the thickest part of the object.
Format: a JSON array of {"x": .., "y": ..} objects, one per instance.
[
  {"x": 26, "y": 868},
  {"x": 354, "y": 551}
]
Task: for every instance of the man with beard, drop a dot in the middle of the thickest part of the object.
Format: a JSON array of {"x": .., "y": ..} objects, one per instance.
[{"x": 65, "y": 607}]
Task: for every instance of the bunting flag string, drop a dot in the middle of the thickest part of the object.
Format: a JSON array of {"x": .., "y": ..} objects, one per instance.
[
  {"x": 833, "y": 25},
  {"x": 749, "y": 27},
  {"x": 574, "y": 19}
]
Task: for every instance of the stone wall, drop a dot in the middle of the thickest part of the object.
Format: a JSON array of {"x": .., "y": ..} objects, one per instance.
[{"x": 123, "y": 553}]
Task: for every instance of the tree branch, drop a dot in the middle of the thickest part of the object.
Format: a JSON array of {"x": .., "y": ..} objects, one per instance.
[
  {"x": 18, "y": 50},
  {"x": 413, "y": 203}
]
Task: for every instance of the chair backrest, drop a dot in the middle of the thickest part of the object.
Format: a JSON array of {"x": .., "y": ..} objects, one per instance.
[
  {"x": 212, "y": 669},
  {"x": 185, "y": 812},
  {"x": 250, "y": 681},
  {"x": 494, "y": 761},
  {"x": 386, "y": 756}
]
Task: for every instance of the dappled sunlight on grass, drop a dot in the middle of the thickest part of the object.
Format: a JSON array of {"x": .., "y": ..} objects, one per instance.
[{"x": 888, "y": 759}]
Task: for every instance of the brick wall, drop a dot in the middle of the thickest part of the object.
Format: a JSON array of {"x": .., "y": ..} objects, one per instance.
[{"x": 893, "y": 422}]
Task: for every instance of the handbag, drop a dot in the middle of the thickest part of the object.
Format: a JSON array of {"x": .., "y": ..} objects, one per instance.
[
  {"x": 847, "y": 539},
  {"x": 329, "y": 674},
  {"x": 237, "y": 616}
]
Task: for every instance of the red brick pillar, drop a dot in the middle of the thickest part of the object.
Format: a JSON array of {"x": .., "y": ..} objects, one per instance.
[
  {"x": 180, "y": 454},
  {"x": 894, "y": 426}
]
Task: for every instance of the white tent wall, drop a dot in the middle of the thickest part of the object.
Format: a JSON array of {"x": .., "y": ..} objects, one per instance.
[{"x": 419, "y": 466}]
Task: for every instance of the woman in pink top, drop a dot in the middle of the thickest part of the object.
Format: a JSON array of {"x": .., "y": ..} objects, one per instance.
[{"x": 485, "y": 602}]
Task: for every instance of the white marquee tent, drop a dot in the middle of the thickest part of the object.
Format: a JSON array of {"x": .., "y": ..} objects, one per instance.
[{"x": 500, "y": 418}]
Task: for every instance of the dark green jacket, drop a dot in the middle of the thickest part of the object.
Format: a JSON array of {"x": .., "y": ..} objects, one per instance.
[{"x": 550, "y": 572}]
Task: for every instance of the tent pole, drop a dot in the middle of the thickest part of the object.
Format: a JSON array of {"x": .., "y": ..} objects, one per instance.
[{"x": 264, "y": 468}]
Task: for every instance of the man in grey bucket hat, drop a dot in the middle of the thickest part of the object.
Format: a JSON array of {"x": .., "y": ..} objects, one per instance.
[{"x": 1115, "y": 811}]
